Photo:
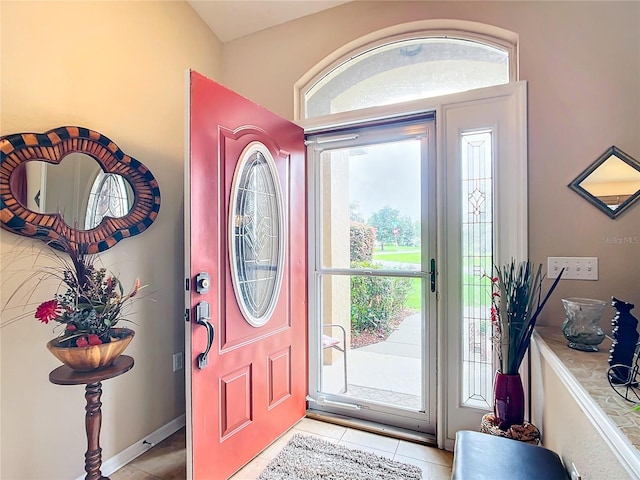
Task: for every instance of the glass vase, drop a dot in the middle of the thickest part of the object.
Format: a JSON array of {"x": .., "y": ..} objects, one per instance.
[
  {"x": 582, "y": 324},
  {"x": 508, "y": 400}
]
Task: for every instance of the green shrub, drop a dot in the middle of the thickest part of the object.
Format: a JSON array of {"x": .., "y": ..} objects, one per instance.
[
  {"x": 362, "y": 240},
  {"x": 376, "y": 300}
]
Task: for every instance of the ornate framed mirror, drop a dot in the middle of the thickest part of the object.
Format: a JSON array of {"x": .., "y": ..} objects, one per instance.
[
  {"x": 76, "y": 184},
  {"x": 611, "y": 183}
]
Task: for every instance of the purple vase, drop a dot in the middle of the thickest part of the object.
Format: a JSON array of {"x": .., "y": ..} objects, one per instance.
[{"x": 508, "y": 396}]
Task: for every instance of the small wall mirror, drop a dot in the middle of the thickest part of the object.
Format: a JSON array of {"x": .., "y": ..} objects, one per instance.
[
  {"x": 611, "y": 183},
  {"x": 74, "y": 183}
]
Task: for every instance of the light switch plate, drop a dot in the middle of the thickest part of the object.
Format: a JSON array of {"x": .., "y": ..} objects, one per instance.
[{"x": 575, "y": 268}]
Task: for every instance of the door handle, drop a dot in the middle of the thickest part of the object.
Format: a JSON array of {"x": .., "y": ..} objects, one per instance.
[
  {"x": 202, "y": 318},
  {"x": 433, "y": 275}
]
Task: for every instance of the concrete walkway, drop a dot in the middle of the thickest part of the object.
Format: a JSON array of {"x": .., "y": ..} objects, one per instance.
[
  {"x": 387, "y": 372},
  {"x": 403, "y": 342}
]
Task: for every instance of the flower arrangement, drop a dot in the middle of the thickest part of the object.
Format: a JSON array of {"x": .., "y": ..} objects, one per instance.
[
  {"x": 89, "y": 302},
  {"x": 516, "y": 302}
]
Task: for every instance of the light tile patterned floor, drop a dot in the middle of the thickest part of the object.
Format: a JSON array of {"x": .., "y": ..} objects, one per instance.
[{"x": 166, "y": 461}]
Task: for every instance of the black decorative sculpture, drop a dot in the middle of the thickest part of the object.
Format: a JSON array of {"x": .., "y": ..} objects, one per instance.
[{"x": 623, "y": 358}]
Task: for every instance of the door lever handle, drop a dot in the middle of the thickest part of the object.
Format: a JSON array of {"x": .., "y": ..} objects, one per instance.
[{"x": 202, "y": 318}]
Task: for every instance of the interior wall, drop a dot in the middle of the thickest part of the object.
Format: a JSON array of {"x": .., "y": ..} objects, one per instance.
[
  {"x": 117, "y": 68},
  {"x": 583, "y": 97}
]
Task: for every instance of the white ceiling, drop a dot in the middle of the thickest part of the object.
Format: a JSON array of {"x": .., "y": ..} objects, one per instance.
[{"x": 231, "y": 19}]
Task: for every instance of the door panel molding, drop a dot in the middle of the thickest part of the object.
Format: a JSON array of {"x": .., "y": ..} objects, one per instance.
[
  {"x": 241, "y": 334},
  {"x": 235, "y": 401},
  {"x": 279, "y": 379}
]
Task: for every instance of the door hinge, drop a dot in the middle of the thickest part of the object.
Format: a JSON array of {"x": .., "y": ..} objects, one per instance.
[
  {"x": 186, "y": 315},
  {"x": 186, "y": 284}
]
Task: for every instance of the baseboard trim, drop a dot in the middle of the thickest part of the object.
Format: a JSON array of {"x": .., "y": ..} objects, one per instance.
[{"x": 134, "y": 451}]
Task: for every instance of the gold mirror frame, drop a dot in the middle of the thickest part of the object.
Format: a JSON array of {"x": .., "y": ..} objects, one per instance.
[
  {"x": 601, "y": 202},
  {"x": 52, "y": 147}
]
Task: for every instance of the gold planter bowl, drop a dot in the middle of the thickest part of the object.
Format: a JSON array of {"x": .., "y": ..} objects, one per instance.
[{"x": 93, "y": 357}]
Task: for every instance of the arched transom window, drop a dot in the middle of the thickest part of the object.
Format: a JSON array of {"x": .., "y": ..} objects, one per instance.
[{"x": 400, "y": 70}]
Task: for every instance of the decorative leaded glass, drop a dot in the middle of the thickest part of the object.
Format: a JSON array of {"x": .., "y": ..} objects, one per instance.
[
  {"x": 477, "y": 260},
  {"x": 256, "y": 234}
]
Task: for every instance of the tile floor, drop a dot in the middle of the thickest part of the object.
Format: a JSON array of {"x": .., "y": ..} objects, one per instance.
[{"x": 166, "y": 461}]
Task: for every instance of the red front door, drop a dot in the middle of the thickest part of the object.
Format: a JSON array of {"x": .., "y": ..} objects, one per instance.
[{"x": 246, "y": 229}]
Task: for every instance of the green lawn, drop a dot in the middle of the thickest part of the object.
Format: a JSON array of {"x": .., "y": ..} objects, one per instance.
[
  {"x": 393, "y": 253},
  {"x": 414, "y": 299},
  {"x": 480, "y": 296},
  {"x": 398, "y": 254}
]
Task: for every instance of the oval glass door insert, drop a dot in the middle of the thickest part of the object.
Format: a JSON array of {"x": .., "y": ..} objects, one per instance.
[{"x": 256, "y": 234}]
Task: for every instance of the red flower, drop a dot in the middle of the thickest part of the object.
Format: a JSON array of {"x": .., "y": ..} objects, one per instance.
[
  {"x": 91, "y": 339},
  {"x": 48, "y": 311},
  {"x": 494, "y": 315},
  {"x": 136, "y": 286},
  {"x": 71, "y": 327}
]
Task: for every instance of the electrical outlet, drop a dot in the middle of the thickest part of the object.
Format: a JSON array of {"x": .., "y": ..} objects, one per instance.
[
  {"x": 575, "y": 475},
  {"x": 575, "y": 268},
  {"x": 177, "y": 361}
]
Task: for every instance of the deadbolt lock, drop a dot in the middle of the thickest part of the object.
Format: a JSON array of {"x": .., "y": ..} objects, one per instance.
[{"x": 203, "y": 282}]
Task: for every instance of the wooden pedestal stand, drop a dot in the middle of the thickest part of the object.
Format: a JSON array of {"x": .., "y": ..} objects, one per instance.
[{"x": 65, "y": 376}]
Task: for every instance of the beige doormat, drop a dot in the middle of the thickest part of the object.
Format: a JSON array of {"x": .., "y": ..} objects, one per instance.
[{"x": 309, "y": 458}]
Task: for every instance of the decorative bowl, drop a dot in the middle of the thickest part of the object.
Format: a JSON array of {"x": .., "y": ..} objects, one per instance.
[{"x": 93, "y": 357}]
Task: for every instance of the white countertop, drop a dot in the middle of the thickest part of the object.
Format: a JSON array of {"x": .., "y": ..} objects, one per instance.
[{"x": 590, "y": 370}]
